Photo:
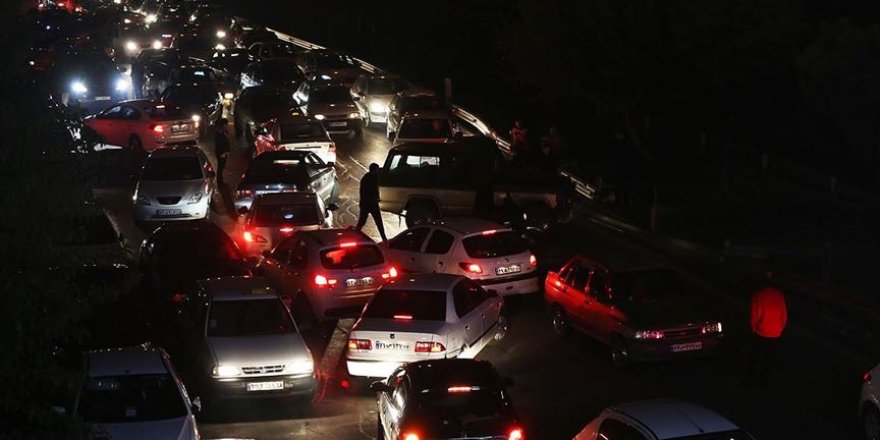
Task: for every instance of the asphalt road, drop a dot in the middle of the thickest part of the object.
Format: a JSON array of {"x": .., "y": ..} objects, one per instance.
[{"x": 560, "y": 384}]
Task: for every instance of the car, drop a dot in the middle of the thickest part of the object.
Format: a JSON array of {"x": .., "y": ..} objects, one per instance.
[
  {"x": 176, "y": 255},
  {"x": 98, "y": 246},
  {"x": 256, "y": 105},
  {"x": 135, "y": 393},
  {"x": 175, "y": 184},
  {"x": 373, "y": 92},
  {"x": 869, "y": 407},
  {"x": 296, "y": 133},
  {"x": 280, "y": 171},
  {"x": 231, "y": 62},
  {"x": 247, "y": 35},
  {"x": 198, "y": 43},
  {"x": 661, "y": 419},
  {"x": 144, "y": 125},
  {"x": 205, "y": 13},
  {"x": 487, "y": 252},
  {"x": 327, "y": 273},
  {"x": 201, "y": 74},
  {"x": 434, "y": 127},
  {"x": 423, "y": 316},
  {"x": 410, "y": 101},
  {"x": 245, "y": 343},
  {"x": 271, "y": 49},
  {"x": 641, "y": 313},
  {"x": 133, "y": 41},
  {"x": 279, "y": 73},
  {"x": 202, "y": 102},
  {"x": 446, "y": 399},
  {"x": 88, "y": 81},
  {"x": 150, "y": 69},
  {"x": 273, "y": 217},
  {"x": 332, "y": 105},
  {"x": 325, "y": 65}
]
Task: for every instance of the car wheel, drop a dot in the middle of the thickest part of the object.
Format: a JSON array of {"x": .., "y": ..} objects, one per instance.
[
  {"x": 380, "y": 430},
  {"x": 560, "y": 322},
  {"x": 418, "y": 213},
  {"x": 503, "y": 327},
  {"x": 135, "y": 144},
  {"x": 619, "y": 352},
  {"x": 871, "y": 423}
]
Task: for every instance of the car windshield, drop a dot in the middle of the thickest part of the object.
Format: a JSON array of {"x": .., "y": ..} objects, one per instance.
[
  {"x": 87, "y": 64},
  {"x": 299, "y": 214},
  {"x": 646, "y": 286},
  {"x": 172, "y": 168},
  {"x": 423, "y": 128},
  {"x": 420, "y": 305},
  {"x": 191, "y": 94},
  {"x": 284, "y": 50},
  {"x": 385, "y": 86},
  {"x": 498, "y": 244},
  {"x": 281, "y": 72},
  {"x": 134, "y": 398},
  {"x": 253, "y": 317},
  {"x": 271, "y": 100},
  {"x": 330, "y": 95},
  {"x": 419, "y": 103},
  {"x": 351, "y": 257},
  {"x": 165, "y": 113},
  {"x": 333, "y": 62},
  {"x": 305, "y": 131},
  {"x": 727, "y": 435},
  {"x": 280, "y": 170},
  {"x": 193, "y": 43}
]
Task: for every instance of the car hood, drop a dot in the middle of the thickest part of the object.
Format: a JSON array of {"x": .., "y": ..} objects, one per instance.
[
  {"x": 340, "y": 108},
  {"x": 183, "y": 428},
  {"x": 257, "y": 350},
  {"x": 677, "y": 311},
  {"x": 182, "y": 188}
]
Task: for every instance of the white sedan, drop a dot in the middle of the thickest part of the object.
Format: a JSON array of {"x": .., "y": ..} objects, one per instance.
[{"x": 422, "y": 317}]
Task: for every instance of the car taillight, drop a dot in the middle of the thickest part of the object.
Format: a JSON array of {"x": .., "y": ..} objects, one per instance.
[
  {"x": 348, "y": 244},
  {"x": 867, "y": 377},
  {"x": 178, "y": 297},
  {"x": 392, "y": 273},
  {"x": 332, "y": 148},
  {"x": 322, "y": 281},
  {"x": 461, "y": 389},
  {"x": 533, "y": 260},
  {"x": 403, "y": 317},
  {"x": 429, "y": 347},
  {"x": 515, "y": 434},
  {"x": 360, "y": 344},
  {"x": 250, "y": 237},
  {"x": 409, "y": 436},
  {"x": 489, "y": 232},
  {"x": 470, "y": 267},
  {"x": 244, "y": 193},
  {"x": 157, "y": 128}
]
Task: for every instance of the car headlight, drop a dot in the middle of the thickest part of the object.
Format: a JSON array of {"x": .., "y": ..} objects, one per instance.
[
  {"x": 354, "y": 115},
  {"x": 157, "y": 44},
  {"x": 131, "y": 46},
  {"x": 123, "y": 84},
  {"x": 221, "y": 34},
  {"x": 219, "y": 47},
  {"x": 226, "y": 371},
  {"x": 196, "y": 118},
  {"x": 78, "y": 87},
  {"x": 195, "y": 198},
  {"x": 228, "y": 95},
  {"x": 378, "y": 107},
  {"x": 151, "y": 18},
  {"x": 326, "y": 77},
  {"x": 649, "y": 334},
  {"x": 141, "y": 200},
  {"x": 319, "y": 117},
  {"x": 300, "y": 366}
]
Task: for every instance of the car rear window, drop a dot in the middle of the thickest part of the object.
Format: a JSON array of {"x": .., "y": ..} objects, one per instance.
[
  {"x": 172, "y": 168},
  {"x": 421, "y": 305},
  {"x": 165, "y": 113},
  {"x": 292, "y": 214},
  {"x": 277, "y": 171},
  {"x": 498, "y": 244},
  {"x": 351, "y": 257},
  {"x": 302, "y": 132},
  {"x": 481, "y": 403},
  {"x": 385, "y": 86}
]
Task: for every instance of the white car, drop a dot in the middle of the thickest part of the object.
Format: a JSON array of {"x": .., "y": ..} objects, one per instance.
[
  {"x": 661, "y": 419},
  {"x": 869, "y": 408},
  {"x": 175, "y": 184},
  {"x": 426, "y": 316},
  {"x": 433, "y": 127},
  {"x": 491, "y": 254},
  {"x": 298, "y": 133},
  {"x": 135, "y": 393},
  {"x": 274, "y": 216}
]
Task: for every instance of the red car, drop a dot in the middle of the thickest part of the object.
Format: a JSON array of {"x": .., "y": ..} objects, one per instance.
[{"x": 144, "y": 125}]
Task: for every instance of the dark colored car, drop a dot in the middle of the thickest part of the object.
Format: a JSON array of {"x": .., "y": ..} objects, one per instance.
[
  {"x": 150, "y": 69},
  {"x": 256, "y": 105},
  {"x": 280, "y": 171},
  {"x": 231, "y": 62},
  {"x": 325, "y": 65},
  {"x": 274, "y": 48},
  {"x": 88, "y": 81},
  {"x": 643, "y": 314},
  {"x": 446, "y": 399},
  {"x": 279, "y": 72},
  {"x": 202, "y": 101}
]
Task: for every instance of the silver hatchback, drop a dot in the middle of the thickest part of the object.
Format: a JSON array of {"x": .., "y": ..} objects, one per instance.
[{"x": 175, "y": 184}]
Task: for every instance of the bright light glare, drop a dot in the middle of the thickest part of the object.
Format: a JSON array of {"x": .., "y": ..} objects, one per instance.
[
  {"x": 220, "y": 47},
  {"x": 126, "y": 21},
  {"x": 221, "y": 34},
  {"x": 301, "y": 366},
  {"x": 326, "y": 77},
  {"x": 354, "y": 115},
  {"x": 131, "y": 46},
  {"x": 123, "y": 84},
  {"x": 78, "y": 87},
  {"x": 151, "y": 18},
  {"x": 319, "y": 117},
  {"x": 157, "y": 44},
  {"x": 196, "y": 118},
  {"x": 378, "y": 107},
  {"x": 226, "y": 371},
  {"x": 228, "y": 95}
]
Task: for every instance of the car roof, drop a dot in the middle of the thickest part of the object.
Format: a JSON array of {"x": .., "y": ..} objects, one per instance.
[
  {"x": 124, "y": 361},
  {"x": 176, "y": 152},
  {"x": 469, "y": 225},
  {"x": 285, "y": 198},
  {"x": 442, "y": 373},
  {"x": 670, "y": 418},
  {"x": 332, "y": 236},
  {"x": 238, "y": 288},
  {"x": 140, "y": 103},
  {"x": 424, "y": 281}
]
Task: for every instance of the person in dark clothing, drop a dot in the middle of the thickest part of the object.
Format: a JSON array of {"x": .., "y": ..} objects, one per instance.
[
  {"x": 369, "y": 201},
  {"x": 221, "y": 146}
]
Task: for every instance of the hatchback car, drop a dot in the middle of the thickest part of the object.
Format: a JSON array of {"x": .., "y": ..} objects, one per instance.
[
  {"x": 427, "y": 127},
  {"x": 246, "y": 342},
  {"x": 661, "y": 419},
  {"x": 446, "y": 399},
  {"x": 869, "y": 407},
  {"x": 283, "y": 171},
  {"x": 491, "y": 254},
  {"x": 410, "y": 101},
  {"x": 175, "y": 184},
  {"x": 296, "y": 133},
  {"x": 144, "y": 125},
  {"x": 425, "y": 316},
  {"x": 273, "y": 217},
  {"x": 373, "y": 92},
  {"x": 332, "y": 105},
  {"x": 643, "y": 313},
  {"x": 326, "y": 274},
  {"x": 135, "y": 393}
]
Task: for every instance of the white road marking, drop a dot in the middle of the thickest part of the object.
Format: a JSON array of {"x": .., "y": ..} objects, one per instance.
[{"x": 358, "y": 163}]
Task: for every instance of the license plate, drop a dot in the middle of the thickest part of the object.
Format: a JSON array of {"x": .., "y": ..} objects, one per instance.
[
  {"x": 338, "y": 124},
  {"x": 504, "y": 270},
  {"x": 690, "y": 346},
  {"x": 392, "y": 345},
  {"x": 167, "y": 211},
  {"x": 179, "y": 128},
  {"x": 102, "y": 98},
  {"x": 353, "y": 282},
  {"x": 265, "y": 386}
]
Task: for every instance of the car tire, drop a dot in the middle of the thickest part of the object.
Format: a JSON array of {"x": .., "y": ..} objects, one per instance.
[
  {"x": 380, "y": 432},
  {"x": 620, "y": 352},
  {"x": 420, "y": 212},
  {"x": 136, "y": 145},
  {"x": 871, "y": 423},
  {"x": 560, "y": 323}
]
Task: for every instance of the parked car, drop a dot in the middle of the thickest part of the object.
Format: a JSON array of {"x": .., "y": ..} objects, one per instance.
[
  {"x": 281, "y": 73},
  {"x": 293, "y": 132},
  {"x": 869, "y": 407},
  {"x": 410, "y": 101},
  {"x": 661, "y": 419},
  {"x": 326, "y": 274},
  {"x": 256, "y": 105},
  {"x": 372, "y": 92},
  {"x": 491, "y": 254},
  {"x": 447, "y": 399},
  {"x": 332, "y": 105},
  {"x": 283, "y": 171},
  {"x": 275, "y": 216},
  {"x": 642, "y": 313},
  {"x": 432, "y": 127},
  {"x": 175, "y": 184},
  {"x": 423, "y": 316},
  {"x": 144, "y": 125}
]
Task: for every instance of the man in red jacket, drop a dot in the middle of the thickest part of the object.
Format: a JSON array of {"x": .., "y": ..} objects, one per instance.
[{"x": 768, "y": 318}]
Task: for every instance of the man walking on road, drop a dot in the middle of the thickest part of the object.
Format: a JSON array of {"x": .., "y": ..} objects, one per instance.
[
  {"x": 369, "y": 202},
  {"x": 768, "y": 318},
  {"x": 221, "y": 146}
]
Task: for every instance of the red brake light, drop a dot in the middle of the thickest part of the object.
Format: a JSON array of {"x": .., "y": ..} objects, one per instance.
[
  {"x": 533, "y": 260},
  {"x": 392, "y": 273},
  {"x": 245, "y": 193},
  {"x": 322, "y": 281},
  {"x": 250, "y": 237},
  {"x": 360, "y": 344},
  {"x": 178, "y": 297},
  {"x": 403, "y": 317},
  {"x": 286, "y": 229},
  {"x": 429, "y": 347},
  {"x": 409, "y": 436},
  {"x": 156, "y": 128},
  {"x": 867, "y": 377},
  {"x": 471, "y": 267},
  {"x": 515, "y": 434},
  {"x": 348, "y": 244}
]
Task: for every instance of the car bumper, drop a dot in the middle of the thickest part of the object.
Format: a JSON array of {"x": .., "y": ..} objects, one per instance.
[
  {"x": 641, "y": 350},
  {"x": 182, "y": 211},
  {"x": 330, "y": 307},
  {"x": 237, "y": 387},
  {"x": 519, "y": 284},
  {"x": 343, "y": 125}
]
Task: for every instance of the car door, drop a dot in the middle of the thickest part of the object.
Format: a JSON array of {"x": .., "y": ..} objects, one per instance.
[
  {"x": 574, "y": 297},
  {"x": 404, "y": 249},
  {"x": 614, "y": 429},
  {"x": 129, "y": 124},
  {"x": 106, "y": 124},
  {"x": 435, "y": 256},
  {"x": 322, "y": 176},
  {"x": 393, "y": 403},
  {"x": 273, "y": 265},
  {"x": 470, "y": 319},
  {"x": 599, "y": 311},
  {"x": 293, "y": 271}
]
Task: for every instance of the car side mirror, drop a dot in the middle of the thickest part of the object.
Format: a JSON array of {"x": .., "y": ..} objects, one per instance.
[
  {"x": 380, "y": 387},
  {"x": 243, "y": 210},
  {"x": 197, "y": 404}
]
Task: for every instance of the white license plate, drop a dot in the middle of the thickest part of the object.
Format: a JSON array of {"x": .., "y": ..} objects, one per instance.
[
  {"x": 337, "y": 124},
  {"x": 265, "y": 386},
  {"x": 168, "y": 211},
  {"x": 392, "y": 345},
  {"x": 353, "y": 282},
  {"x": 690, "y": 346},
  {"x": 504, "y": 270},
  {"x": 179, "y": 128},
  {"x": 102, "y": 98}
]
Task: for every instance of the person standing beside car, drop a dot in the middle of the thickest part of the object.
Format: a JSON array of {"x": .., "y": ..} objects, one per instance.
[
  {"x": 221, "y": 146},
  {"x": 369, "y": 200},
  {"x": 769, "y": 315}
]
